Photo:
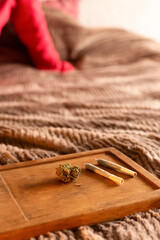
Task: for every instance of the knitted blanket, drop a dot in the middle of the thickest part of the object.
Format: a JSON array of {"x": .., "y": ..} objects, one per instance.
[{"x": 111, "y": 100}]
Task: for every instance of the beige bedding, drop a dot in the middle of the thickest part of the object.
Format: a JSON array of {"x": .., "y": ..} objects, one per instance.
[{"x": 111, "y": 100}]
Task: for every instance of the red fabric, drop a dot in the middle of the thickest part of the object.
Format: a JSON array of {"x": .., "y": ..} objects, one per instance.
[
  {"x": 30, "y": 25},
  {"x": 5, "y": 11}
]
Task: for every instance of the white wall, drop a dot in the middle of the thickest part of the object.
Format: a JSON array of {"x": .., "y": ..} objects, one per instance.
[{"x": 141, "y": 16}]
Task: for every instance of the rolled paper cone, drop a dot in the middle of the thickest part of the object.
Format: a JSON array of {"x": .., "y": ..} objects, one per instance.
[
  {"x": 116, "y": 167},
  {"x": 104, "y": 173}
]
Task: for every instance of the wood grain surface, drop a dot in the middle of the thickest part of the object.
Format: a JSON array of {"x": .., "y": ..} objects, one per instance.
[{"x": 34, "y": 201}]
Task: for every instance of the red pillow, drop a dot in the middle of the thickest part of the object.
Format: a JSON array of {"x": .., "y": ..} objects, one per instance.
[
  {"x": 5, "y": 11},
  {"x": 31, "y": 27}
]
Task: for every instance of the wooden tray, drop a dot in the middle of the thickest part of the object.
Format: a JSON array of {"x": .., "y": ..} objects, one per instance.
[{"x": 33, "y": 201}]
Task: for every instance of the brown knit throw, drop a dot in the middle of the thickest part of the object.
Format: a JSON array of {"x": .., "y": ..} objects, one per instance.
[{"x": 113, "y": 100}]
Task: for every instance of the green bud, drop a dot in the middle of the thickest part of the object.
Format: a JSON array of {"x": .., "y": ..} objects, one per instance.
[{"x": 67, "y": 173}]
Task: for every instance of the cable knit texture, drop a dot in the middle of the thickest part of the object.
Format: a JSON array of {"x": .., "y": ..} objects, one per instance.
[{"x": 111, "y": 100}]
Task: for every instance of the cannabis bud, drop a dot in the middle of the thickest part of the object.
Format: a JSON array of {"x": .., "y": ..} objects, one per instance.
[{"x": 67, "y": 173}]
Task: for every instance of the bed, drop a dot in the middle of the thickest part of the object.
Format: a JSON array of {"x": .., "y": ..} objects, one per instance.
[{"x": 111, "y": 100}]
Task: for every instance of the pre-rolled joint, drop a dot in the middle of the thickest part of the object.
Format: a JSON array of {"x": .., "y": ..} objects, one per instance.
[
  {"x": 116, "y": 167},
  {"x": 104, "y": 173}
]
